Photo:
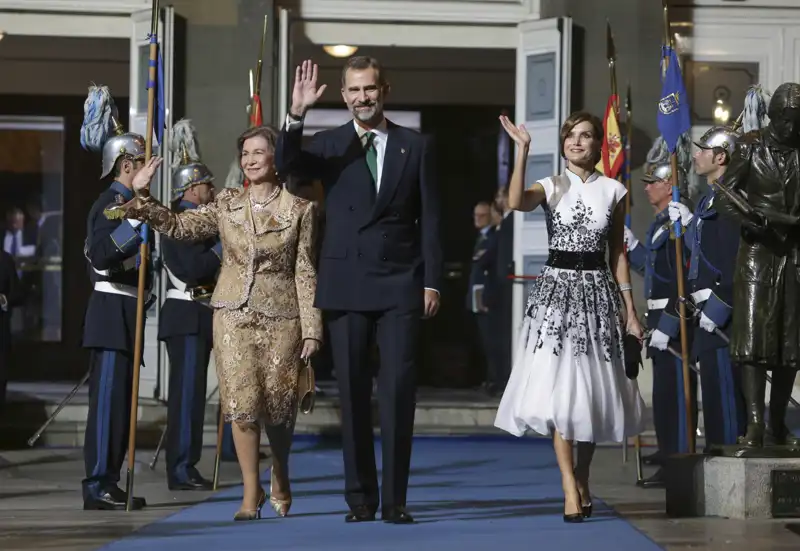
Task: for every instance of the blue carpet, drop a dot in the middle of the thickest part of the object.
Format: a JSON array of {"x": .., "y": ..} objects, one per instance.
[{"x": 466, "y": 495}]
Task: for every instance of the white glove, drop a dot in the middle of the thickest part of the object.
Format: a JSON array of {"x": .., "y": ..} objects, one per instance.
[
  {"x": 706, "y": 324},
  {"x": 630, "y": 240},
  {"x": 679, "y": 211},
  {"x": 659, "y": 340},
  {"x": 134, "y": 223}
]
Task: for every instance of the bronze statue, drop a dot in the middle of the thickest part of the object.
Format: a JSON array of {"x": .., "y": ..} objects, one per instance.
[{"x": 765, "y": 173}]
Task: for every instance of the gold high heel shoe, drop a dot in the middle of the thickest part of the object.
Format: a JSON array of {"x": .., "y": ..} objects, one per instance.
[
  {"x": 252, "y": 515},
  {"x": 281, "y": 506}
]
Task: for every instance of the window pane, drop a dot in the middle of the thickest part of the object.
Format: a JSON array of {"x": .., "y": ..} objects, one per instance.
[{"x": 31, "y": 186}]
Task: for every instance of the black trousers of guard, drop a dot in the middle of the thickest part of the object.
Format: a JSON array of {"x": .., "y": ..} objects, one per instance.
[
  {"x": 108, "y": 422},
  {"x": 188, "y": 358},
  {"x": 397, "y": 335},
  {"x": 669, "y": 406}
]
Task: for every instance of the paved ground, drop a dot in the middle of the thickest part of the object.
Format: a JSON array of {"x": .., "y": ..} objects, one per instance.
[{"x": 40, "y": 506}]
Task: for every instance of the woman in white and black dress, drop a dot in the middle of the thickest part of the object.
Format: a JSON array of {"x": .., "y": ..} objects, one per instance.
[{"x": 568, "y": 378}]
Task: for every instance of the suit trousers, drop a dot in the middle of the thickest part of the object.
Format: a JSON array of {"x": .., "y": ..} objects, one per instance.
[
  {"x": 397, "y": 335},
  {"x": 186, "y": 407},
  {"x": 669, "y": 407},
  {"x": 724, "y": 411},
  {"x": 107, "y": 425}
]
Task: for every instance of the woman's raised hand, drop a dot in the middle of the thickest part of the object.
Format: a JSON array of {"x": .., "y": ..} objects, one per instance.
[{"x": 517, "y": 133}]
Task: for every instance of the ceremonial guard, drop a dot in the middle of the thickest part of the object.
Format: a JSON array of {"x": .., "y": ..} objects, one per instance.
[
  {"x": 112, "y": 251},
  {"x": 712, "y": 241},
  {"x": 186, "y": 317},
  {"x": 655, "y": 260},
  {"x": 761, "y": 189}
]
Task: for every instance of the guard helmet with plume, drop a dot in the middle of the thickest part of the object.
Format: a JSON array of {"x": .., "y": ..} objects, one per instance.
[
  {"x": 102, "y": 131},
  {"x": 659, "y": 162},
  {"x": 188, "y": 169}
]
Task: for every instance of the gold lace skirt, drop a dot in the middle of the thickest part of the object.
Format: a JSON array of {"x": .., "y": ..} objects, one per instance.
[{"x": 257, "y": 359}]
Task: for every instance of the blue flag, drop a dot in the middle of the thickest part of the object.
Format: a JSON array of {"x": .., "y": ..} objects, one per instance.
[
  {"x": 160, "y": 108},
  {"x": 674, "y": 117}
]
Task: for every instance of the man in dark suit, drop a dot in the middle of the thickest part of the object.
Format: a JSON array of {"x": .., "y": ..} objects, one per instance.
[
  {"x": 482, "y": 216},
  {"x": 185, "y": 325},
  {"x": 379, "y": 270},
  {"x": 11, "y": 295},
  {"x": 498, "y": 293}
]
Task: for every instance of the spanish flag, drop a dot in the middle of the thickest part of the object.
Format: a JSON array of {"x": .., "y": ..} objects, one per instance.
[{"x": 612, "y": 160}]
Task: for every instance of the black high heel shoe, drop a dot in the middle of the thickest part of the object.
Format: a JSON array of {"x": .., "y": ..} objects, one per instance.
[
  {"x": 577, "y": 517},
  {"x": 586, "y": 510}
]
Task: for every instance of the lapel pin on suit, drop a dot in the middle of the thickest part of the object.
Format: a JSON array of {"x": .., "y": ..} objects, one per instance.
[{"x": 402, "y": 150}]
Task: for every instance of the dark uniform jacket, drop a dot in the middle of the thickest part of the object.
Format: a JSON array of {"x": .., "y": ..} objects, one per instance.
[
  {"x": 654, "y": 258},
  {"x": 188, "y": 265},
  {"x": 712, "y": 242},
  {"x": 112, "y": 249}
]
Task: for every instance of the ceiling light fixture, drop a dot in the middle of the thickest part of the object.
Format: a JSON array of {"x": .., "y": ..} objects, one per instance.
[{"x": 340, "y": 50}]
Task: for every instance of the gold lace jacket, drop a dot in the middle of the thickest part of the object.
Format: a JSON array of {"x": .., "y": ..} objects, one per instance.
[{"x": 268, "y": 260}]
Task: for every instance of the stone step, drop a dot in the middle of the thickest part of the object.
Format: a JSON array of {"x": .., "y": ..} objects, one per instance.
[{"x": 439, "y": 412}]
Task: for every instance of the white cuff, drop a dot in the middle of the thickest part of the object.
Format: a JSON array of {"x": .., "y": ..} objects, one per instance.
[
  {"x": 434, "y": 290},
  {"x": 291, "y": 124}
]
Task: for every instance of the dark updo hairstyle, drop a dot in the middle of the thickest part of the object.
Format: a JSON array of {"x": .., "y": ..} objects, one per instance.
[{"x": 574, "y": 120}]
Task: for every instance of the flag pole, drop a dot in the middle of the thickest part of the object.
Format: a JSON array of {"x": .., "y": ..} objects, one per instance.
[
  {"x": 611, "y": 55},
  {"x": 678, "y": 231},
  {"x": 143, "y": 263},
  {"x": 637, "y": 440}
]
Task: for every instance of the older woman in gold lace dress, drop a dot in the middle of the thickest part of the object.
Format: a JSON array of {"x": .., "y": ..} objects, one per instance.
[{"x": 264, "y": 319}]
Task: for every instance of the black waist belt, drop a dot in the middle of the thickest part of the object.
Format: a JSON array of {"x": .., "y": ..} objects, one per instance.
[{"x": 574, "y": 260}]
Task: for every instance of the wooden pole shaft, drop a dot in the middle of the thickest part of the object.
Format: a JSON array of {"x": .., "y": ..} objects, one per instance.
[
  {"x": 143, "y": 264},
  {"x": 687, "y": 394}
]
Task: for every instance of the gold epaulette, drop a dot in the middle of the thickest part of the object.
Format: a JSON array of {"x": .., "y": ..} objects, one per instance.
[{"x": 114, "y": 213}]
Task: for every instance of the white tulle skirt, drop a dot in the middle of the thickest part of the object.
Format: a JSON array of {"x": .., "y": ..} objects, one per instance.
[{"x": 569, "y": 371}]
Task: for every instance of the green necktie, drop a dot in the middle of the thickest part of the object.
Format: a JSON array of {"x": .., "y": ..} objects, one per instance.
[{"x": 372, "y": 156}]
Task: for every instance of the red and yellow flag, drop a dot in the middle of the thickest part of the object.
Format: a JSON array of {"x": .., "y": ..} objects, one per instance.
[{"x": 613, "y": 157}]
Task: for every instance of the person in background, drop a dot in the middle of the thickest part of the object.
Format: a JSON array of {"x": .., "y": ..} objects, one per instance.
[
  {"x": 712, "y": 241},
  {"x": 498, "y": 262},
  {"x": 655, "y": 260},
  {"x": 11, "y": 295},
  {"x": 482, "y": 219}
]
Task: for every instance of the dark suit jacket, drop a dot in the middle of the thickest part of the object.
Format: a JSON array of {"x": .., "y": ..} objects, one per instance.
[
  {"x": 478, "y": 270},
  {"x": 499, "y": 263},
  {"x": 378, "y": 252}
]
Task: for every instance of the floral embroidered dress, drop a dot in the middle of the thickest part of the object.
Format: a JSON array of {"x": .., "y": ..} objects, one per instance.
[{"x": 569, "y": 370}]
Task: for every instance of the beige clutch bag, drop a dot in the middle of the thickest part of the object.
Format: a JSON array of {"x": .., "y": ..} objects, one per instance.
[{"x": 306, "y": 383}]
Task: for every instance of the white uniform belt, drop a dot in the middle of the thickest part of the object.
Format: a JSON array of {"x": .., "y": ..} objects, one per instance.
[
  {"x": 701, "y": 295},
  {"x": 119, "y": 289},
  {"x": 657, "y": 304},
  {"x": 179, "y": 295},
  {"x": 177, "y": 283}
]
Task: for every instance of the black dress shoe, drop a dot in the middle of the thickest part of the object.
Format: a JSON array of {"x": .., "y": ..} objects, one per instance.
[
  {"x": 197, "y": 483},
  {"x": 360, "y": 513},
  {"x": 653, "y": 459},
  {"x": 111, "y": 499},
  {"x": 655, "y": 481},
  {"x": 396, "y": 515}
]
